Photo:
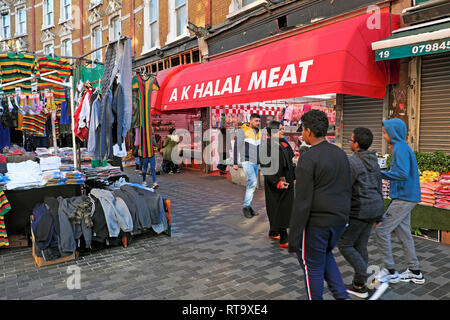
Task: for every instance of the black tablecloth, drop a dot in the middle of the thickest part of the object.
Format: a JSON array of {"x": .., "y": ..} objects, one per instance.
[{"x": 17, "y": 220}]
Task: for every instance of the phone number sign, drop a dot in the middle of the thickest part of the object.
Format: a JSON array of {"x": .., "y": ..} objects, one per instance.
[{"x": 418, "y": 49}]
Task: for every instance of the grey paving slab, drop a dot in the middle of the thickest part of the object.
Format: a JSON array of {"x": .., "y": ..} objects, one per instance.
[{"x": 214, "y": 253}]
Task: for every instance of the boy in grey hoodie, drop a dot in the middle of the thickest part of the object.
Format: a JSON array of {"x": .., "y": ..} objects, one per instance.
[{"x": 366, "y": 208}]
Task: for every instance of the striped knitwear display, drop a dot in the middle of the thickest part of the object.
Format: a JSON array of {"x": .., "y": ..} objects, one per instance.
[
  {"x": 16, "y": 67},
  {"x": 49, "y": 64},
  {"x": 4, "y": 208}
]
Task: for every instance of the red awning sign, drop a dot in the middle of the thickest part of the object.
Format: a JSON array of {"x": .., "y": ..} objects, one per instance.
[{"x": 336, "y": 59}]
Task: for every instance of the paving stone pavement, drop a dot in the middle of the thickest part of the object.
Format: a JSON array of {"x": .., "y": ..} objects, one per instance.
[{"x": 213, "y": 253}]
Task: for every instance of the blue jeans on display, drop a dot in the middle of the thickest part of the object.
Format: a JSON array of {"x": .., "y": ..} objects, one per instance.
[
  {"x": 145, "y": 163},
  {"x": 317, "y": 261},
  {"x": 251, "y": 170}
]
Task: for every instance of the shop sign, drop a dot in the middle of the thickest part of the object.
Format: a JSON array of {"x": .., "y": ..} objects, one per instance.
[
  {"x": 413, "y": 50},
  {"x": 291, "y": 74}
]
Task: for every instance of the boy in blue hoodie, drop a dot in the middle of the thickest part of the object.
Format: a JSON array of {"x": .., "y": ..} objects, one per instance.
[{"x": 405, "y": 194}]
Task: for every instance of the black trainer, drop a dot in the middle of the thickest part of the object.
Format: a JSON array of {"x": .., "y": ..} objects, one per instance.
[
  {"x": 254, "y": 213},
  {"x": 361, "y": 292},
  {"x": 247, "y": 212}
]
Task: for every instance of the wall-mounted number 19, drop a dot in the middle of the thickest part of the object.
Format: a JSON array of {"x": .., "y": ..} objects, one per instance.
[{"x": 384, "y": 54}]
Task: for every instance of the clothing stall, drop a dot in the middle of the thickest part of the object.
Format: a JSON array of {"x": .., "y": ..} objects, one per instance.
[{"x": 76, "y": 206}]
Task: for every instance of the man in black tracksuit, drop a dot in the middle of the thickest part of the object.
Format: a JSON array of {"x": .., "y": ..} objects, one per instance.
[
  {"x": 366, "y": 210},
  {"x": 321, "y": 208}
]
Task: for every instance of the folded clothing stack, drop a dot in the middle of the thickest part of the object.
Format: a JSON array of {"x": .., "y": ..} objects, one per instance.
[
  {"x": 51, "y": 178},
  {"x": 50, "y": 163},
  {"x": 428, "y": 193},
  {"x": 23, "y": 174},
  {"x": 74, "y": 177}
]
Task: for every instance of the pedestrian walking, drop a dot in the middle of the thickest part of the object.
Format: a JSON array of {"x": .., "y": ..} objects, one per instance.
[
  {"x": 224, "y": 150},
  {"x": 405, "y": 194},
  {"x": 279, "y": 186},
  {"x": 321, "y": 208},
  {"x": 367, "y": 208},
  {"x": 246, "y": 152},
  {"x": 169, "y": 144}
]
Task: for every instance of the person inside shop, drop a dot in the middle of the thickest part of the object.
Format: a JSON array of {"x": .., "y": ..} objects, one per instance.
[
  {"x": 405, "y": 193},
  {"x": 367, "y": 210},
  {"x": 171, "y": 141},
  {"x": 246, "y": 152},
  {"x": 321, "y": 208},
  {"x": 278, "y": 186},
  {"x": 224, "y": 150}
]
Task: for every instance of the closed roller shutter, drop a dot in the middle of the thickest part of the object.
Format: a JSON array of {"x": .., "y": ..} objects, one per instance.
[
  {"x": 363, "y": 112},
  {"x": 434, "y": 132}
]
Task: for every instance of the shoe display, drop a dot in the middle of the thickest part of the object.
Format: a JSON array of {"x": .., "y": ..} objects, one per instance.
[
  {"x": 247, "y": 212},
  {"x": 361, "y": 292},
  {"x": 385, "y": 276},
  {"x": 408, "y": 276}
]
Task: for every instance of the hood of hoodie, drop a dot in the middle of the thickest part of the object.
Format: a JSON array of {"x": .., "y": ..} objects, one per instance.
[
  {"x": 369, "y": 159},
  {"x": 396, "y": 130}
]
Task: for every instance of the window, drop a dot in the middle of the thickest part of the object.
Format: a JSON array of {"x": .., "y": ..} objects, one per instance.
[
  {"x": 247, "y": 2},
  {"x": 115, "y": 28},
  {"x": 180, "y": 12},
  {"x": 97, "y": 43},
  {"x": 66, "y": 48},
  {"x": 48, "y": 13},
  {"x": 49, "y": 49},
  {"x": 6, "y": 26},
  {"x": 21, "y": 22},
  {"x": 66, "y": 13},
  {"x": 153, "y": 23}
]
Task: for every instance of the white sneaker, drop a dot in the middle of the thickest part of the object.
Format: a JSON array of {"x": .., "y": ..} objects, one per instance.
[
  {"x": 385, "y": 276},
  {"x": 155, "y": 186},
  {"x": 408, "y": 276},
  {"x": 144, "y": 183}
]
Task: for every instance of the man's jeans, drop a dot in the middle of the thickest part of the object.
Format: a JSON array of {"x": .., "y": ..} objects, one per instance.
[
  {"x": 353, "y": 246},
  {"x": 251, "y": 170},
  {"x": 397, "y": 219},
  {"x": 152, "y": 162}
]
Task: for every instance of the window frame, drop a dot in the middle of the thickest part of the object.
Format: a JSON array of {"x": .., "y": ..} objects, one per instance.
[
  {"x": 63, "y": 48},
  {"x": 18, "y": 22},
  {"x": 148, "y": 23},
  {"x": 63, "y": 7},
  {"x": 97, "y": 55},
  {"x": 112, "y": 35},
  {"x": 8, "y": 36},
  {"x": 46, "y": 44},
  {"x": 45, "y": 23}
]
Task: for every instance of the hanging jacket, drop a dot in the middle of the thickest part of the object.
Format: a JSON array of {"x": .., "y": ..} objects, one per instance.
[
  {"x": 142, "y": 210},
  {"x": 117, "y": 215},
  {"x": 100, "y": 228}
]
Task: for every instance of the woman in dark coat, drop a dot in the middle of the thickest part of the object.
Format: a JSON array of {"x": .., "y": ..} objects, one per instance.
[{"x": 278, "y": 182}]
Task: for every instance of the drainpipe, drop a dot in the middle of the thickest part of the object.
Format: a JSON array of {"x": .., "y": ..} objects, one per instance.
[
  {"x": 81, "y": 28},
  {"x": 132, "y": 28},
  {"x": 33, "y": 23}
]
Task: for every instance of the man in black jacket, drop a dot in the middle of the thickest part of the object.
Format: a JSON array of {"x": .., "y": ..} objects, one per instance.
[
  {"x": 321, "y": 208},
  {"x": 366, "y": 209}
]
